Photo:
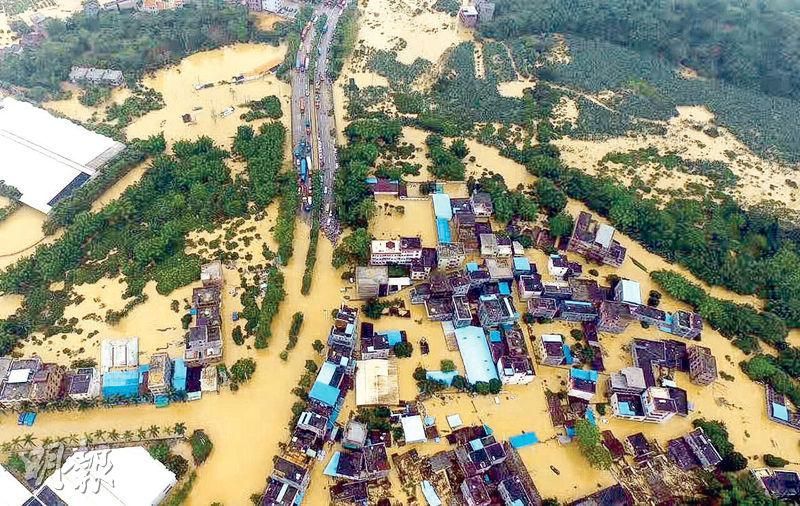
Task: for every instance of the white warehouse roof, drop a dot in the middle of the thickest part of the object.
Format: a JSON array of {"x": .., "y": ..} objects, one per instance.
[
  {"x": 12, "y": 492},
  {"x": 42, "y": 155},
  {"x": 119, "y": 477}
]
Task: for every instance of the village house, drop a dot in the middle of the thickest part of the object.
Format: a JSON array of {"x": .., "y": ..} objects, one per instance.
[
  {"x": 687, "y": 324},
  {"x": 402, "y": 251},
  {"x": 420, "y": 293},
  {"x": 421, "y": 269},
  {"x": 211, "y": 274},
  {"x": 628, "y": 291},
  {"x": 522, "y": 266},
  {"x": 582, "y": 384},
  {"x": 313, "y": 422},
  {"x": 439, "y": 308},
  {"x": 489, "y": 246},
  {"x": 204, "y": 338},
  {"x": 499, "y": 269},
  {"x": 595, "y": 241},
  {"x": 542, "y": 307},
  {"x": 450, "y": 256},
  {"x": 291, "y": 473},
  {"x": 95, "y": 76},
  {"x": 615, "y": 495},
  {"x": 629, "y": 380},
  {"x": 641, "y": 449},
  {"x": 613, "y": 317},
  {"x": 557, "y": 290},
  {"x": 459, "y": 284},
  {"x": 83, "y": 383},
  {"x": 280, "y": 493},
  {"x": 373, "y": 345},
  {"x": 468, "y": 16},
  {"x": 369, "y": 280},
  {"x": 344, "y": 330},
  {"x": 496, "y": 310},
  {"x": 693, "y": 450},
  {"x": 702, "y": 365},
  {"x": 481, "y": 204},
  {"x": 478, "y": 276},
  {"x": 778, "y": 409},
  {"x": 654, "y": 405},
  {"x": 576, "y": 311},
  {"x": 587, "y": 290},
  {"x": 560, "y": 267},
  {"x": 30, "y": 380},
  {"x": 551, "y": 349},
  {"x": 159, "y": 377},
  {"x": 355, "y": 435},
  {"x": 462, "y": 313},
  {"x": 779, "y": 483},
  {"x": 529, "y": 286},
  {"x": 485, "y": 10}
]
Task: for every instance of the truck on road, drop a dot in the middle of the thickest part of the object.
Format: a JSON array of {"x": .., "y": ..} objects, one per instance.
[{"x": 303, "y": 105}]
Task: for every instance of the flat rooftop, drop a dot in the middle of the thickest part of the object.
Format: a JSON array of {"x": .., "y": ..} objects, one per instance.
[{"x": 45, "y": 157}]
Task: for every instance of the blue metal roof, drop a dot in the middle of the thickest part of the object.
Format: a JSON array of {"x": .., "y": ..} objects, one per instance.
[
  {"x": 567, "y": 354},
  {"x": 504, "y": 288},
  {"x": 584, "y": 375},
  {"x": 443, "y": 231},
  {"x": 430, "y": 494},
  {"x": 393, "y": 336},
  {"x": 523, "y": 440},
  {"x": 325, "y": 394},
  {"x": 179, "y": 375},
  {"x": 472, "y": 266},
  {"x": 441, "y": 206},
  {"x": 333, "y": 465},
  {"x": 121, "y": 383},
  {"x": 494, "y": 336},
  {"x": 625, "y": 409}
]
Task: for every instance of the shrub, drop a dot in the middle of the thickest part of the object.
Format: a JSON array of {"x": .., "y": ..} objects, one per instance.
[
  {"x": 403, "y": 349},
  {"x": 447, "y": 365},
  {"x": 774, "y": 461},
  {"x": 177, "y": 465},
  {"x": 201, "y": 446}
]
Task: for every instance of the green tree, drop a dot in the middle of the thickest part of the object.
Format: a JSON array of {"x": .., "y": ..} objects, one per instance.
[
  {"x": 238, "y": 336},
  {"x": 177, "y": 465},
  {"x": 550, "y": 197},
  {"x": 353, "y": 250},
  {"x": 447, "y": 365},
  {"x": 242, "y": 370},
  {"x": 560, "y": 224},
  {"x": 588, "y": 436},
  {"x": 403, "y": 349},
  {"x": 318, "y": 346},
  {"x": 774, "y": 461}
]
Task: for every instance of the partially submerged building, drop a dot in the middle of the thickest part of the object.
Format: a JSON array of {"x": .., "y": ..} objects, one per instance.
[
  {"x": 377, "y": 383},
  {"x": 596, "y": 241},
  {"x": 402, "y": 251}
]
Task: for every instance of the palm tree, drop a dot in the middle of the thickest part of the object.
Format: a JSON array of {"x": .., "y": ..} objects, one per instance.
[
  {"x": 73, "y": 439},
  {"x": 99, "y": 433},
  {"x": 179, "y": 428},
  {"x": 127, "y": 435},
  {"x": 47, "y": 441},
  {"x": 5, "y": 447},
  {"x": 28, "y": 440},
  {"x": 16, "y": 442},
  {"x": 141, "y": 433},
  {"x": 88, "y": 437},
  {"x": 154, "y": 431},
  {"x": 113, "y": 435}
]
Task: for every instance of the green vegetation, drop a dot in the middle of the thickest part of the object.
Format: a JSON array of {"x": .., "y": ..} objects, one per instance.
[
  {"x": 774, "y": 461},
  {"x": 201, "y": 446},
  {"x": 140, "y": 236},
  {"x": 681, "y": 34},
  {"x": 242, "y": 370},
  {"x": 137, "y": 151},
  {"x": 273, "y": 296},
  {"x": 343, "y": 40},
  {"x": 560, "y": 224},
  {"x": 373, "y": 308},
  {"x": 748, "y": 251},
  {"x": 267, "y": 107},
  {"x": 499, "y": 65},
  {"x": 294, "y": 330},
  {"x": 13, "y": 195},
  {"x": 137, "y": 105},
  {"x": 449, "y": 6},
  {"x": 353, "y": 250},
  {"x": 311, "y": 254},
  {"x": 742, "y": 323},
  {"x": 94, "y": 95},
  {"x": 716, "y": 171},
  {"x": 447, "y": 365},
  {"x": 508, "y": 204},
  {"x": 403, "y": 349},
  {"x": 180, "y": 494},
  {"x": 447, "y": 164},
  {"x": 15, "y": 464},
  {"x": 385, "y": 63},
  {"x": 135, "y": 44},
  {"x": 591, "y": 445}
]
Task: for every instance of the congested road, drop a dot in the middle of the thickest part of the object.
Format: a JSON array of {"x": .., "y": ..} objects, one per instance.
[{"x": 312, "y": 104}]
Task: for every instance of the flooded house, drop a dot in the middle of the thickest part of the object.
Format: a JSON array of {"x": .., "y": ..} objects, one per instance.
[
  {"x": 481, "y": 205},
  {"x": 159, "y": 378},
  {"x": 693, "y": 450},
  {"x": 582, "y": 384},
  {"x": 369, "y": 280},
  {"x": 421, "y": 269},
  {"x": 613, "y": 317},
  {"x": 551, "y": 349},
  {"x": 779, "y": 483},
  {"x": 402, "y": 251},
  {"x": 494, "y": 310},
  {"x": 529, "y": 285},
  {"x": 702, "y": 365},
  {"x": 595, "y": 241},
  {"x": 83, "y": 383},
  {"x": 560, "y": 267},
  {"x": 576, "y": 311},
  {"x": 450, "y": 256},
  {"x": 91, "y": 75},
  {"x": 29, "y": 380},
  {"x": 542, "y": 307},
  {"x": 686, "y": 324}
]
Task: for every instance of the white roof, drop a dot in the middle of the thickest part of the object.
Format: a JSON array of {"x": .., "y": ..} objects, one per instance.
[
  {"x": 119, "y": 354},
  {"x": 631, "y": 291},
  {"x": 377, "y": 383},
  {"x": 604, "y": 235},
  {"x": 19, "y": 376},
  {"x": 119, "y": 477},
  {"x": 454, "y": 421},
  {"x": 41, "y": 154},
  {"x": 556, "y": 338},
  {"x": 12, "y": 492},
  {"x": 413, "y": 429}
]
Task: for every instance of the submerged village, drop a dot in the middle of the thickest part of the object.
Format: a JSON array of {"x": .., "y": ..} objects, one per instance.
[{"x": 279, "y": 252}]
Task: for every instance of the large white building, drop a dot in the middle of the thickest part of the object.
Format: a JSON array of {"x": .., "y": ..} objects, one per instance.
[{"x": 46, "y": 158}]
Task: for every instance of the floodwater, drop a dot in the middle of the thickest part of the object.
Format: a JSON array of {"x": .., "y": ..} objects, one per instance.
[{"x": 207, "y": 106}]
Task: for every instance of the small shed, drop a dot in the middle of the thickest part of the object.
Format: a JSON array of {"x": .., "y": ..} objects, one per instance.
[{"x": 413, "y": 429}]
